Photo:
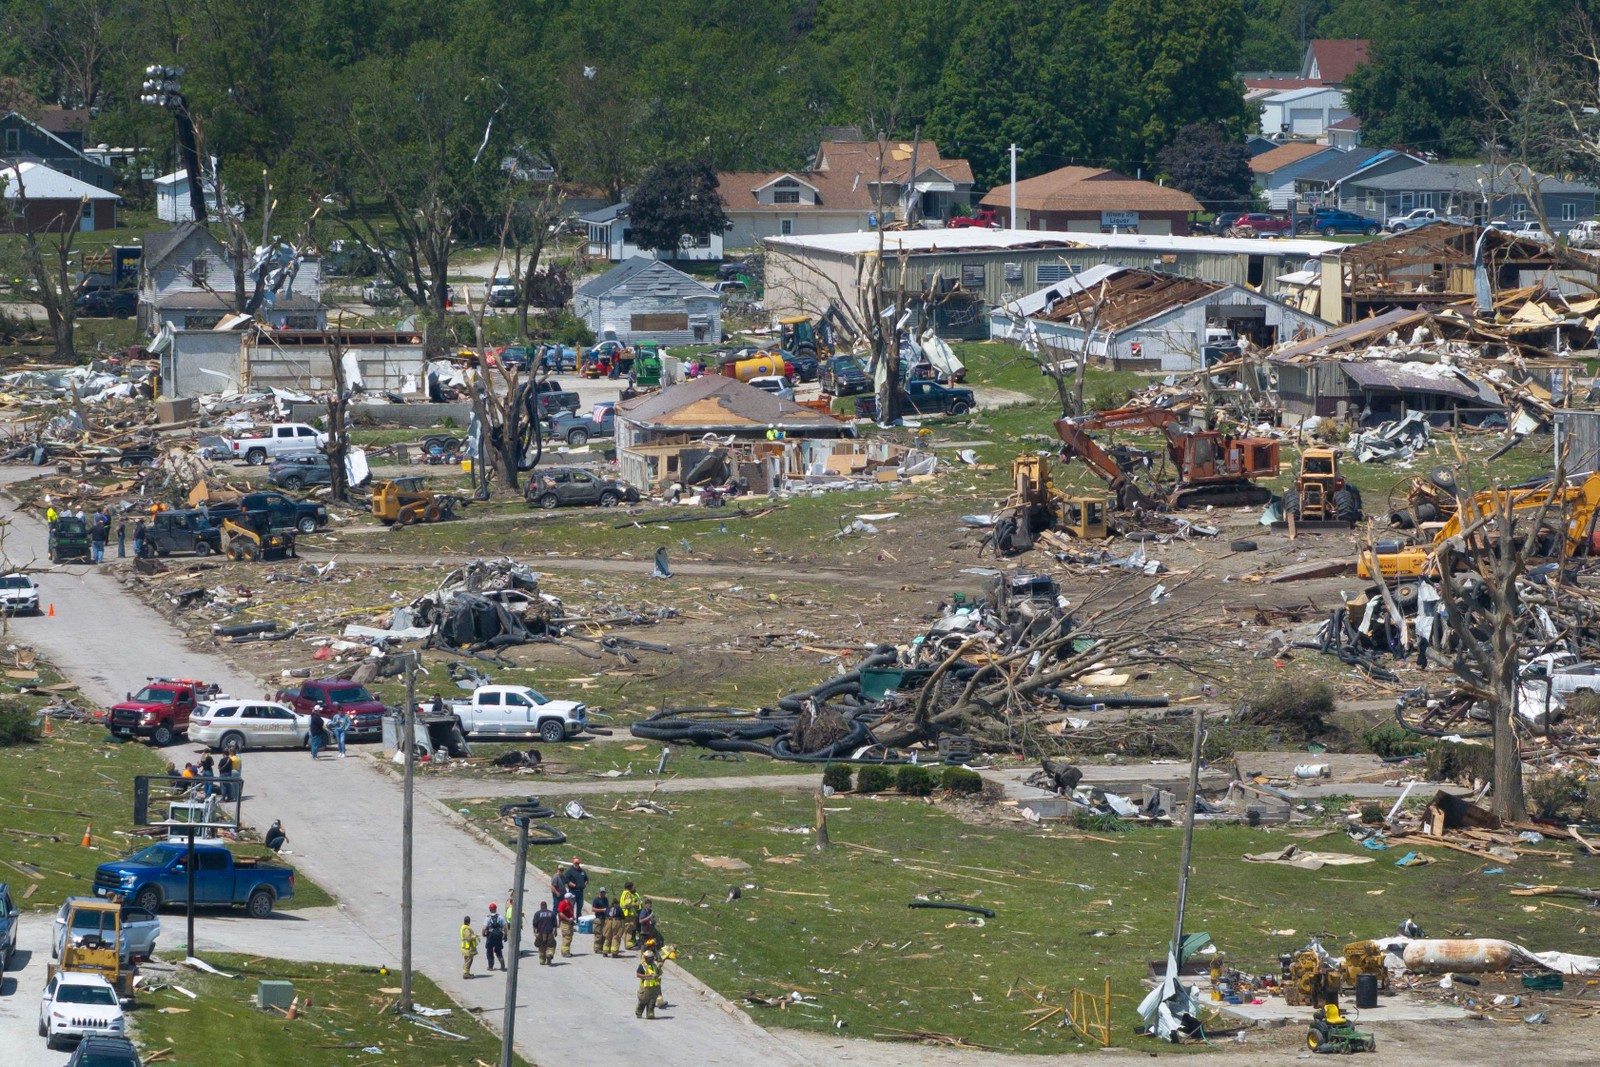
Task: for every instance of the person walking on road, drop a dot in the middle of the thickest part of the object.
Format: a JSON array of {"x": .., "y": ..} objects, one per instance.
[
  {"x": 613, "y": 928},
  {"x": 122, "y": 539},
  {"x": 339, "y": 726},
  {"x": 649, "y": 972},
  {"x": 319, "y": 731},
  {"x": 98, "y": 533},
  {"x": 544, "y": 934},
  {"x": 629, "y": 900},
  {"x": 138, "y": 539},
  {"x": 601, "y": 905},
  {"x": 494, "y": 938},
  {"x": 567, "y": 919},
  {"x": 469, "y": 946}
]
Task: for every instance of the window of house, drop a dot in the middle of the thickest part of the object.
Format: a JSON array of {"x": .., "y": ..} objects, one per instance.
[
  {"x": 199, "y": 268},
  {"x": 1408, "y": 202},
  {"x": 1519, "y": 211},
  {"x": 1424, "y": 199},
  {"x": 1569, "y": 211},
  {"x": 973, "y": 275},
  {"x": 13, "y": 141},
  {"x": 786, "y": 196},
  {"x": 786, "y": 227},
  {"x": 1013, "y": 273},
  {"x": 1050, "y": 273},
  {"x": 627, "y": 236}
]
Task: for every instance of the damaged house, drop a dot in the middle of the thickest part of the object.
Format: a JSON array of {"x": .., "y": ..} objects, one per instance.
[
  {"x": 186, "y": 281},
  {"x": 647, "y": 300},
  {"x": 663, "y": 436},
  {"x": 1133, "y": 319}
]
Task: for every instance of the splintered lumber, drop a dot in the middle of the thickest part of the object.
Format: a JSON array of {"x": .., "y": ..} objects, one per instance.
[{"x": 1557, "y": 891}]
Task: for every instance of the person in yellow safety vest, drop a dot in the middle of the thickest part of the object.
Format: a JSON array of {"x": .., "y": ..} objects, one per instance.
[
  {"x": 630, "y": 914},
  {"x": 649, "y": 972},
  {"x": 469, "y": 946},
  {"x": 772, "y": 433},
  {"x": 50, "y": 515}
]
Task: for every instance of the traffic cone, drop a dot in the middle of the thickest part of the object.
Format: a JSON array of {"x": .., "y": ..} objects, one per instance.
[
  {"x": 52, "y": 613},
  {"x": 294, "y": 1009},
  {"x": 47, "y": 728},
  {"x": 88, "y": 828}
]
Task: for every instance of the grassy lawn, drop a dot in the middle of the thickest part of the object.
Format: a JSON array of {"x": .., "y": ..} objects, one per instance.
[
  {"x": 1073, "y": 909},
  {"x": 77, "y": 778},
  {"x": 349, "y": 1017}
]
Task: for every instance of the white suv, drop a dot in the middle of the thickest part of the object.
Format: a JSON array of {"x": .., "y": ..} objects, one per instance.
[
  {"x": 231, "y": 725},
  {"x": 78, "y": 1004},
  {"x": 18, "y": 594}
]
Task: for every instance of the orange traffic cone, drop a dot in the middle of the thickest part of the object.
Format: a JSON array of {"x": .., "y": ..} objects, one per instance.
[
  {"x": 294, "y": 1009},
  {"x": 52, "y": 613},
  {"x": 47, "y": 730},
  {"x": 88, "y": 828}
]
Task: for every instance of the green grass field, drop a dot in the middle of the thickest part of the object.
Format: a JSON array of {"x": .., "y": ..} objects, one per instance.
[
  {"x": 1072, "y": 909},
  {"x": 348, "y": 1021}
]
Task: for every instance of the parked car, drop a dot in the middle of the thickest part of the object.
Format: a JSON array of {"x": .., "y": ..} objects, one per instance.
[
  {"x": 843, "y": 375},
  {"x": 160, "y": 711},
  {"x": 775, "y": 384},
  {"x": 554, "y": 487},
  {"x": 190, "y": 530},
  {"x": 346, "y": 257},
  {"x": 503, "y": 292},
  {"x": 1531, "y": 230},
  {"x": 336, "y": 695},
  {"x": 1262, "y": 224},
  {"x": 514, "y": 712},
  {"x": 9, "y": 918},
  {"x": 381, "y": 293},
  {"x": 1584, "y": 235},
  {"x": 576, "y": 430},
  {"x": 108, "y": 303},
  {"x": 1329, "y": 223},
  {"x": 298, "y": 471},
  {"x": 69, "y": 539},
  {"x": 281, "y": 439},
  {"x": 100, "y": 1051},
  {"x": 140, "y": 929},
  {"x": 983, "y": 218},
  {"x": 924, "y": 397},
  {"x": 553, "y": 397},
  {"x": 236, "y": 725},
  {"x": 18, "y": 595},
  {"x": 79, "y": 1004},
  {"x": 804, "y": 364},
  {"x": 1224, "y": 222},
  {"x": 1421, "y": 216},
  {"x": 159, "y": 875},
  {"x": 732, "y": 285}
]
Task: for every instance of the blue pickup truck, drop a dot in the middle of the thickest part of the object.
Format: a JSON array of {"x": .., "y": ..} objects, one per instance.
[{"x": 159, "y": 875}]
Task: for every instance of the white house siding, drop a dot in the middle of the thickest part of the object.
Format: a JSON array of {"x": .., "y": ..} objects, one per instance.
[
  {"x": 750, "y": 227},
  {"x": 616, "y": 313}
]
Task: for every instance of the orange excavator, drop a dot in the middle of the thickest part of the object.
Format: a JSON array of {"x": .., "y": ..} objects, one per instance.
[{"x": 1212, "y": 467}]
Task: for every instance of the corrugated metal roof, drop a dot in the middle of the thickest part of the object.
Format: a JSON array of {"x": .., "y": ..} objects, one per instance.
[
  {"x": 1411, "y": 378},
  {"x": 631, "y": 269},
  {"x": 980, "y": 240}
]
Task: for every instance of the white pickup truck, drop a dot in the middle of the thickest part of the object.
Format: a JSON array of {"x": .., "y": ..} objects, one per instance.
[
  {"x": 281, "y": 439},
  {"x": 1567, "y": 674},
  {"x": 1422, "y": 216},
  {"x": 513, "y": 712}
]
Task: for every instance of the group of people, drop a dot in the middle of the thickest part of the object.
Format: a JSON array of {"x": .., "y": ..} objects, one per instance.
[
  {"x": 214, "y": 777},
  {"x": 323, "y": 728},
  {"x": 628, "y": 921},
  {"x": 101, "y": 531}
]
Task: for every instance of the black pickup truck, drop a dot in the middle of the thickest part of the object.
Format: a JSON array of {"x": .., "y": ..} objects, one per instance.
[
  {"x": 283, "y": 513},
  {"x": 553, "y": 399},
  {"x": 924, "y": 398}
]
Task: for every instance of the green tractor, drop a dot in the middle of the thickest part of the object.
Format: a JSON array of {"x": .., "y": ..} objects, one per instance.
[
  {"x": 69, "y": 539},
  {"x": 1331, "y": 1032},
  {"x": 647, "y": 366}
]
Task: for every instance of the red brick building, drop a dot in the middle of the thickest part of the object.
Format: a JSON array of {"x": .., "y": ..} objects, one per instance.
[{"x": 41, "y": 200}]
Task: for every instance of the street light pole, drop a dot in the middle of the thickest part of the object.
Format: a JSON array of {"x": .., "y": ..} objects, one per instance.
[
  {"x": 408, "y": 745},
  {"x": 162, "y": 88},
  {"x": 522, "y": 814}
]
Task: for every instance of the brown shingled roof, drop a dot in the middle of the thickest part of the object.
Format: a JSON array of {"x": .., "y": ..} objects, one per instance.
[
  {"x": 843, "y": 177},
  {"x": 1285, "y": 154},
  {"x": 1337, "y": 57},
  {"x": 1091, "y": 189}
]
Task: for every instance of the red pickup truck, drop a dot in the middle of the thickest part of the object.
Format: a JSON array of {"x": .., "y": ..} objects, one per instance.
[
  {"x": 1263, "y": 225},
  {"x": 160, "y": 711},
  {"x": 984, "y": 218},
  {"x": 335, "y": 695}
]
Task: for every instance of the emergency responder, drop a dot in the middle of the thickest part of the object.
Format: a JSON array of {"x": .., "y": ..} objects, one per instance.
[
  {"x": 613, "y": 941},
  {"x": 544, "y": 933},
  {"x": 494, "y": 937},
  {"x": 469, "y": 946},
  {"x": 567, "y": 919},
  {"x": 649, "y": 972},
  {"x": 630, "y": 914},
  {"x": 601, "y": 905}
]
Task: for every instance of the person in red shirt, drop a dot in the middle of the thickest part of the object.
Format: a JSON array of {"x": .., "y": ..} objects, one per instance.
[{"x": 567, "y": 918}]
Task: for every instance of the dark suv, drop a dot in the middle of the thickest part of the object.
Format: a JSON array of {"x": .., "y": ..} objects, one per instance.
[
  {"x": 100, "y": 1051},
  {"x": 842, "y": 376},
  {"x": 1330, "y": 222},
  {"x": 108, "y": 303},
  {"x": 182, "y": 531},
  {"x": 298, "y": 471}
]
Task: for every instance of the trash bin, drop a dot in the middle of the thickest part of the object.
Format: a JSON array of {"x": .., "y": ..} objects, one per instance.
[{"x": 1366, "y": 991}]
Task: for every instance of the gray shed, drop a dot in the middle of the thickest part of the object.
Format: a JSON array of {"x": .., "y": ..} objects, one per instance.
[{"x": 648, "y": 300}]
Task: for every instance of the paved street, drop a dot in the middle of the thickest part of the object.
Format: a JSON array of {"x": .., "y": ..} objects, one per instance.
[{"x": 343, "y": 821}]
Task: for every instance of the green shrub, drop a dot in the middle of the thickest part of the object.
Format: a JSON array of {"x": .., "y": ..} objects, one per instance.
[
  {"x": 1552, "y": 795},
  {"x": 836, "y": 776},
  {"x": 1372, "y": 813},
  {"x": 16, "y": 724},
  {"x": 961, "y": 780},
  {"x": 1391, "y": 740},
  {"x": 914, "y": 781},
  {"x": 1101, "y": 824},
  {"x": 1299, "y": 708},
  {"x": 874, "y": 778}
]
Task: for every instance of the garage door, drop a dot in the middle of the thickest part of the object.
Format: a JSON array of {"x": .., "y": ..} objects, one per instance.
[{"x": 1305, "y": 121}]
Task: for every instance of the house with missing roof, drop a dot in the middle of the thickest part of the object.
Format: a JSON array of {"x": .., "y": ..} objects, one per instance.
[
  {"x": 649, "y": 300},
  {"x": 852, "y": 184},
  {"x": 1094, "y": 200},
  {"x": 1131, "y": 318},
  {"x": 186, "y": 282}
]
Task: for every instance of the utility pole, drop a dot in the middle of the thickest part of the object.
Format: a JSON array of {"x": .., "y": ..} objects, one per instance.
[
  {"x": 1012, "y": 221},
  {"x": 1188, "y": 837},
  {"x": 522, "y": 814},
  {"x": 408, "y": 745}
]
